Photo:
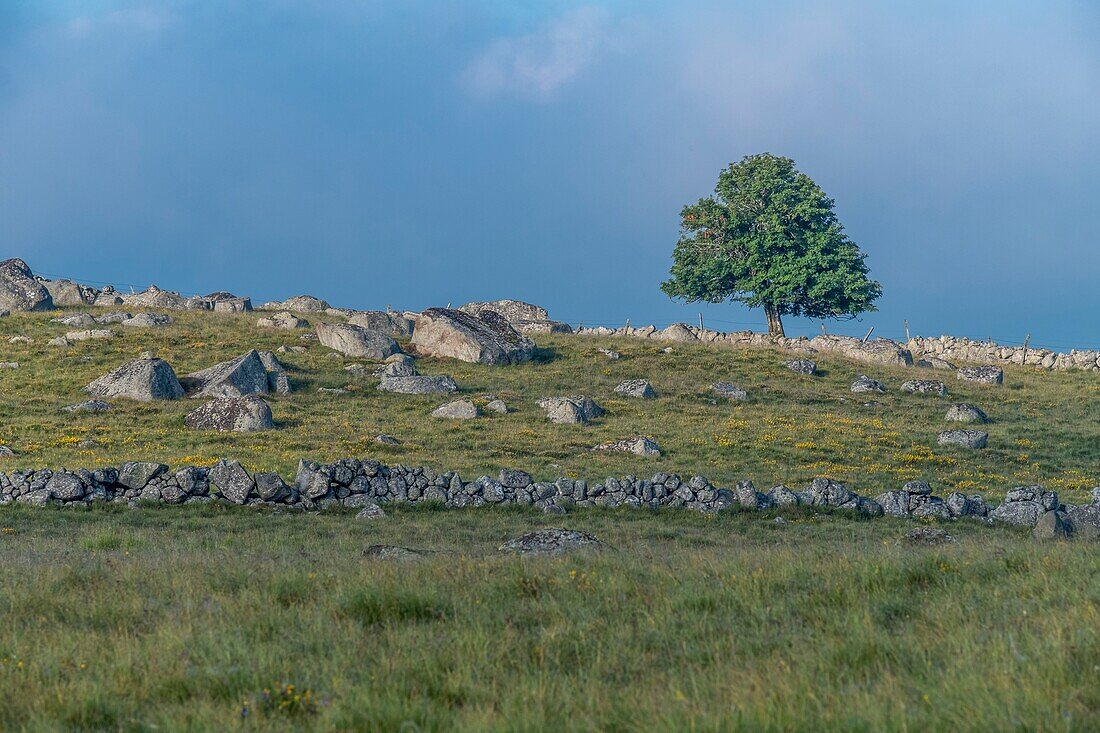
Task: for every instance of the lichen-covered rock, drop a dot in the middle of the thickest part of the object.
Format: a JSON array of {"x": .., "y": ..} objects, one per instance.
[
  {"x": 299, "y": 304},
  {"x": 147, "y": 320},
  {"x": 925, "y": 386},
  {"x": 567, "y": 410},
  {"x": 356, "y": 341},
  {"x": 639, "y": 388},
  {"x": 1050, "y": 526},
  {"x": 986, "y": 374},
  {"x": 729, "y": 390},
  {"x": 232, "y": 481},
  {"x": 19, "y": 290},
  {"x": 393, "y": 324},
  {"x": 865, "y": 384},
  {"x": 137, "y": 474},
  {"x": 551, "y": 542},
  {"x": 894, "y": 503},
  {"x": 144, "y": 380},
  {"x": 283, "y": 320},
  {"x": 418, "y": 385},
  {"x": 639, "y": 446},
  {"x": 801, "y": 366},
  {"x": 457, "y": 410},
  {"x": 246, "y": 414},
  {"x": 963, "y": 412},
  {"x": 876, "y": 351},
  {"x": 964, "y": 438},
  {"x": 487, "y": 338},
  {"x": 245, "y": 375},
  {"x": 88, "y": 406},
  {"x": 67, "y": 293}
]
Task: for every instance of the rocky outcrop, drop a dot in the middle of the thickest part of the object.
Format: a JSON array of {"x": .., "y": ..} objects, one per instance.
[
  {"x": 551, "y": 542},
  {"x": 144, "y": 380},
  {"x": 299, "y": 304},
  {"x": 393, "y": 324},
  {"x": 523, "y": 317},
  {"x": 19, "y": 290},
  {"x": 486, "y": 338},
  {"x": 418, "y": 384},
  {"x": 237, "y": 414},
  {"x": 66, "y": 293},
  {"x": 356, "y": 341}
]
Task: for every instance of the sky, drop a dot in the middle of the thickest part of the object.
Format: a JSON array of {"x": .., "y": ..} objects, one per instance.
[{"x": 419, "y": 153}]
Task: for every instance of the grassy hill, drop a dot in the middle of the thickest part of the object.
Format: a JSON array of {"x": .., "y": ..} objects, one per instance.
[
  {"x": 231, "y": 618},
  {"x": 1045, "y": 425}
]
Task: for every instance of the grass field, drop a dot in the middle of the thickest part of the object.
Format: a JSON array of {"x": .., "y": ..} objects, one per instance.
[
  {"x": 179, "y": 618},
  {"x": 1046, "y": 426}
]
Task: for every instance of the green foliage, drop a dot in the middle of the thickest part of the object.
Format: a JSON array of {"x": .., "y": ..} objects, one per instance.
[{"x": 769, "y": 237}]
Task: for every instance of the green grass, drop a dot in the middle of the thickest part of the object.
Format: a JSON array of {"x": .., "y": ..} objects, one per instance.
[
  {"x": 1046, "y": 426},
  {"x": 178, "y": 618}
]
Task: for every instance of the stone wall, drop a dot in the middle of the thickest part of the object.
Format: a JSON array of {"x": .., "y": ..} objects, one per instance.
[
  {"x": 881, "y": 351},
  {"x": 354, "y": 483},
  {"x": 952, "y": 348}
]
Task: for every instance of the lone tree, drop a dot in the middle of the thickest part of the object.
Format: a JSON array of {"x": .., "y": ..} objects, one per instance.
[{"x": 769, "y": 238}]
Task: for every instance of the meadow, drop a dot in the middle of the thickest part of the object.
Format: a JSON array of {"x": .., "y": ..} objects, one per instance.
[
  {"x": 1045, "y": 425},
  {"x": 214, "y": 618},
  {"x": 200, "y": 618}
]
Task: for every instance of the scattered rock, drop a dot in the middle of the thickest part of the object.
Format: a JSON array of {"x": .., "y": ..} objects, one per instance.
[
  {"x": 284, "y": 320},
  {"x": 144, "y": 380},
  {"x": 147, "y": 320},
  {"x": 497, "y": 406},
  {"x": 299, "y": 304},
  {"x": 4, "y": 365},
  {"x": 89, "y": 335},
  {"x": 418, "y": 385},
  {"x": 610, "y": 354},
  {"x": 571, "y": 410},
  {"x": 370, "y": 511},
  {"x": 639, "y": 388},
  {"x": 982, "y": 374},
  {"x": 332, "y": 390},
  {"x": 928, "y": 536},
  {"x": 552, "y": 542},
  {"x": 386, "y": 439},
  {"x": 486, "y": 339},
  {"x": 801, "y": 366},
  {"x": 457, "y": 410},
  {"x": 395, "y": 553},
  {"x": 6, "y": 452},
  {"x": 356, "y": 341},
  {"x": 962, "y": 412},
  {"x": 638, "y": 446},
  {"x": 865, "y": 384},
  {"x": 236, "y": 414},
  {"x": 729, "y": 390},
  {"x": 964, "y": 438},
  {"x": 77, "y": 320},
  {"x": 399, "y": 369},
  {"x": 925, "y": 386},
  {"x": 88, "y": 406}
]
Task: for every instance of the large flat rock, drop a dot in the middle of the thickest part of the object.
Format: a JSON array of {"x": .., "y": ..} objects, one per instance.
[{"x": 486, "y": 338}]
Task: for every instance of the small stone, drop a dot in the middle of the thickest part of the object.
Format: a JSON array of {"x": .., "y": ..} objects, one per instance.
[
  {"x": 962, "y": 412},
  {"x": 551, "y": 542},
  {"x": 865, "y": 384},
  {"x": 801, "y": 366},
  {"x": 729, "y": 390},
  {"x": 386, "y": 439},
  {"x": 925, "y": 386},
  {"x": 457, "y": 410},
  {"x": 928, "y": 536},
  {"x": 610, "y": 354},
  {"x": 371, "y": 511}
]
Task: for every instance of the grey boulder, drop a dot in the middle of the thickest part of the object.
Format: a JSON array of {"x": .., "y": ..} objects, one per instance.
[
  {"x": 356, "y": 341},
  {"x": 144, "y": 380},
  {"x": 486, "y": 338},
  {"x": 233, "y": 414},
  {"x": 964, "y": 438},
  {"x": 19, "y": 290}
]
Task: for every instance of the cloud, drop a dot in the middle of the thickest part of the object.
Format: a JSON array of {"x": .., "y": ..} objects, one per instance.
[
  {"x": 538, "y": 64},
  {"x": 142, "y": 20}
]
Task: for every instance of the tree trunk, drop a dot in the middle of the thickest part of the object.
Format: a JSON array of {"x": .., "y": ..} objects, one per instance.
[{"x": 775, "y": 321}]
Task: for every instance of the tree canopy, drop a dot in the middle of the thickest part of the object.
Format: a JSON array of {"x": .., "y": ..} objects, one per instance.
[{"x": 769, "y": 238}]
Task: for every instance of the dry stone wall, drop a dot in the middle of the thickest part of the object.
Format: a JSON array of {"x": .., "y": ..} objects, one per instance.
[{"x": 355, "y": 483}]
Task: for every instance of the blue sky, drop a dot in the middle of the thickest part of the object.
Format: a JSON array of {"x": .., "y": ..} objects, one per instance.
[{"x": 419, "y": 153}]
